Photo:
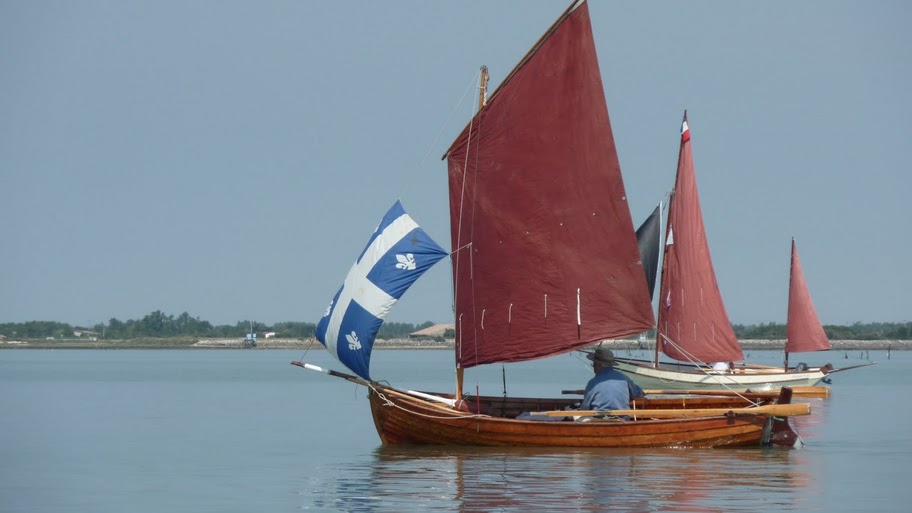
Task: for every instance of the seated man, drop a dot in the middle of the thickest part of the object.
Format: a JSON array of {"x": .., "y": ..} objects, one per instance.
[{"x": 609, "y": 389}]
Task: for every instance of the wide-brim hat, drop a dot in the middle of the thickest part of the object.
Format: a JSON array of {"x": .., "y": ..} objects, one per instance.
[{"x": 602, "y": 355}]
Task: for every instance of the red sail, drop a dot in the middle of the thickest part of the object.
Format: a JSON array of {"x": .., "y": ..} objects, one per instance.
[
  {"x": 545, "y": 254},
  {"x": 803, "y": 331},
  {"x": 693, "y": 324}
]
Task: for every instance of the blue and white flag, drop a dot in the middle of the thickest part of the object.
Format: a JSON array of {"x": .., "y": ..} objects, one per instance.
[{"x": 396, "y": 255}]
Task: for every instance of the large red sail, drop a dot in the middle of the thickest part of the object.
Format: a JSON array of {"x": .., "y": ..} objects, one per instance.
[
  {"x": 693, "y": 324},
  {"x": 803, "y": 331},
  {"x": 545, "y": 254}
]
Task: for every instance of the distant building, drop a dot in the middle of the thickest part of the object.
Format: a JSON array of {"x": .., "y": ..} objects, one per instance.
[{"x": 434, "y": 331}]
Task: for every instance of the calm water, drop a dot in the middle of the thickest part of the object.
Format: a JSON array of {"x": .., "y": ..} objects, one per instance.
[{"x": 225, "y": 431}]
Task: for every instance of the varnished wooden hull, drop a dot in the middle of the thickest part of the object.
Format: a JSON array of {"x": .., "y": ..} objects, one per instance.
[{"x": 404, "y": 419}]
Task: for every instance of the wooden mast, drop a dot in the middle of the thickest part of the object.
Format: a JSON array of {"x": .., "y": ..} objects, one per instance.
[
  {"x": 482, "y": 100},
  {"x": 483, "y": 88},
  {"x": 662, "y": 242},
  {"x": 791, "y": 277}
]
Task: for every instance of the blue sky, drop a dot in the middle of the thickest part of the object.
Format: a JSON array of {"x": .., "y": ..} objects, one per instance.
[{"x": 230, "y": 159}]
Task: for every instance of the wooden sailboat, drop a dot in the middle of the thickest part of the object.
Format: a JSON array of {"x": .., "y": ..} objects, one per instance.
[
  {"x": 536, "y": 197},
  {"x": 803, "y": 331},
  {"x": 693, "y": 326}
]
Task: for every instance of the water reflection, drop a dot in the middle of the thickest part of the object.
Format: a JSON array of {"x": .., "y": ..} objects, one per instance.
[
  {"x": 810, "y": 426},
  {"x": 480, "y": 479}
]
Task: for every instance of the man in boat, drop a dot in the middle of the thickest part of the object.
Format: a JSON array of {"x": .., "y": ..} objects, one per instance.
[{"x": 609, "y": 389}]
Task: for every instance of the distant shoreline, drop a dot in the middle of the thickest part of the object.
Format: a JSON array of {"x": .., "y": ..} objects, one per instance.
[{"x": 393, "y": 344}]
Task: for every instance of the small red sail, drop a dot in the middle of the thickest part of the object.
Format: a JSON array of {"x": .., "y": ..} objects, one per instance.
[
  {"x": 545, "y": 257},
  {"x": 803, "y": 331},
  {"x": 693, "y": 323}
]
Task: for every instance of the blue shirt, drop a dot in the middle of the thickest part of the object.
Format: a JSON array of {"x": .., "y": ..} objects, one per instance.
[{"x": 610, "y": 389}]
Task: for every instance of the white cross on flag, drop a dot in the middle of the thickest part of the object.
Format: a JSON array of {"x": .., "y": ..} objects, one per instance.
[{"x": 396, "y": 255}]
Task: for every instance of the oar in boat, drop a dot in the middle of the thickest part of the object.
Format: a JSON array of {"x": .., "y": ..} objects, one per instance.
[
  {"x": 776, "y": 410},
  {"x": 801, "y": 391}
]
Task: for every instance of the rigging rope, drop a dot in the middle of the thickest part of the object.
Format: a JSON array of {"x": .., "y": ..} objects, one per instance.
[
  {"x": 440, "y": 133},
  {"x": 307, "y": 349},
  {"x": 703, "y": 369}
]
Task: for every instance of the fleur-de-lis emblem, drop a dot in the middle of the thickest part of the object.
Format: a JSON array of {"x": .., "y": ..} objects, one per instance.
[
  {"x": 353, "y": 343},
  {"x": 406, "y": 262},
  {"x": 328, "y": 308}
]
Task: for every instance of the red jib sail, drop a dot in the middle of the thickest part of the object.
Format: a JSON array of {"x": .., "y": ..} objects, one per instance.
[
  {"x": 693, "y": 324},
  {"x": 803, "y": 331},
  {"x": 545, "y": 254}
]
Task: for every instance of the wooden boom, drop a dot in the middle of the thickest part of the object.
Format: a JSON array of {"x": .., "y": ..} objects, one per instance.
[
  {"x": 776, "y": 410},
  {"x": 797, "y": 391}
]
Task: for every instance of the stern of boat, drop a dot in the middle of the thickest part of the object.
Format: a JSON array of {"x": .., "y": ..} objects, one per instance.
[{"x": 778, "y": 431}]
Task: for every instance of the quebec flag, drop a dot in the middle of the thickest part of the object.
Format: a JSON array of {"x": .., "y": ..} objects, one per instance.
[{"x": 397, "y": 254}]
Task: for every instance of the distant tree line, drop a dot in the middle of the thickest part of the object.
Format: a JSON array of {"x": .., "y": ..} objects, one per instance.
[
  {"x": 160, "y": 325},
  {"x": 857, "y": 331}
]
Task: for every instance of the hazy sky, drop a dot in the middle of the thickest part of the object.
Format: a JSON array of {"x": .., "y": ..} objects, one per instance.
[{"x": 230, "y": 159}]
